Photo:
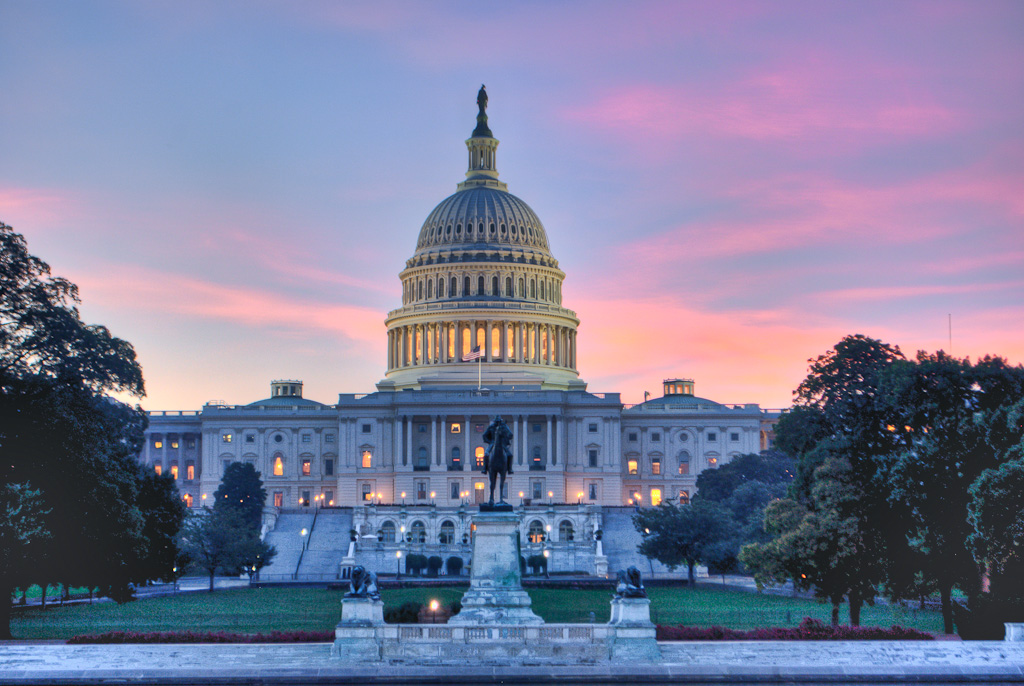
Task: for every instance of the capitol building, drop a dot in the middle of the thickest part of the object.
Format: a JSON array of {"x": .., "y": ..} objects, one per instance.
[{"x": 481, "y": 331}]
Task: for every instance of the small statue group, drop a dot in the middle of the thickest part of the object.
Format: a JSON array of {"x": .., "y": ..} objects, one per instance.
[
  {"x": 630, "y": 584},
  {"x": 363, "y": 584}
]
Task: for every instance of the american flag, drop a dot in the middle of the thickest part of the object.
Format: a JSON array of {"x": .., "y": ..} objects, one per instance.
[{"x": 475, "y": 354}]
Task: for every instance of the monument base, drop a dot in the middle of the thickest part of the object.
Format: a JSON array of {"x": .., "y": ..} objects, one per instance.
[
  {"x": 356, "y": 637},
  {"x": 634, "y": 636}
]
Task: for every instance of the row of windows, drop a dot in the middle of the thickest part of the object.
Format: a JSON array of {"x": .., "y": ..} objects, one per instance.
[
  {"x": 278, "y": 438},
  {"x": 173, "y": 443},
  {"x": 656, "y": 497},
  {"x": 190, "y": 470},
  {"x": 683, "y": 466},
  {"x": 711, "y": 436},
  {"x": 538, "y": 289},
  {"x": 481, "y": 229}
]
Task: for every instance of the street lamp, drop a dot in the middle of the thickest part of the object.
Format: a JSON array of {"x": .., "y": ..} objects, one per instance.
[
  {"x": 398, "y": 563},
  {"x": 175, "y": 572},
  {"x": 551, "y": 495},
  {"x": 433, "y": 611},
  {"x": 546, "y": 556},
  {"x": 579, "y": 497}
]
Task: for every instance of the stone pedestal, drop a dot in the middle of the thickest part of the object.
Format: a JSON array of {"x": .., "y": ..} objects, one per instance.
[
  {"x": 1014, "y": 631},
  {"x": 634, "y": 636},
  {"x": 357, "y": 636},
  {"x": 496, "y": 594}
]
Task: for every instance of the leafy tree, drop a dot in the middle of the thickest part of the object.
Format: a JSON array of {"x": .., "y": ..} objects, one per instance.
[
  {"x": 222, "y": 541},
  {"x": 241, "y": 490},
  {"x": 996, "y": 515},
  {"x": 21, "y": 524},
  {"x": 163, "y": 513},
  {"x": 683, "y": 534}
]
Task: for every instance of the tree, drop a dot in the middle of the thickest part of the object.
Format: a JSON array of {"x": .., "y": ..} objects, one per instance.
[
  {"x": 241, "y": 489},
  {"x": 21, "y": 524},
  {"x": 678, "y": 534},
  {"x": 996, "y": 515},
  {"x": 61, "y": 434},
  {"x": 163, "y": 513}
]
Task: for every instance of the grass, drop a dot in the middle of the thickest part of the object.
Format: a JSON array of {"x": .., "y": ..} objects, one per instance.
[{"x": 308, "y": 609}]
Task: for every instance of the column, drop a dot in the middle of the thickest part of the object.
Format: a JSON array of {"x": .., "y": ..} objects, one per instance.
[
  {"x": 433, "y": 441},
  {"x": 515, "y": 440},
  {"x": 444, "y": 437},
  {"x": 466, "y": 457},
  {"x": 522, "y": 452},
  {"x": 408, "y": 440},
  {"x": 558, "y": 441},
  {"x": 396, "y": 441},
  {"x": 548, "y": 456}
]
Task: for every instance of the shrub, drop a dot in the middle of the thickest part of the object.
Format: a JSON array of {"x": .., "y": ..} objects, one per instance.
[
  {"x": 538, "y": 563},
  {"x": 453, "y": 565},
  {"x": 809, "y": 630},
  {"x": 433, "y": 565},
  {"x": 406, "y": 613},
  {"x": 415, "y": 563}
]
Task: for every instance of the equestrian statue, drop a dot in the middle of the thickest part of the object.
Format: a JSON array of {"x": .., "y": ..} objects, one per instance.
[{"x": 498, "y": 456}]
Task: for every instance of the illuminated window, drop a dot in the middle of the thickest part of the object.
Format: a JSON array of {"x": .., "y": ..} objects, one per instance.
[
  {"x": 421, "y": 489},
  {"x": 712, "y": 462},
  {"x": 174, "y": 471},
  {"x": 537, "y": 464},
  {"x": 536, "y": 532},
  {"x": 367, "y": 491},
  {"x": 479, "y": 457},
  {"x": 684, "y": 498},
  {"x": 278, "y": 499},
  {"x": 278, "y": 466},
  {"x": 227, "y": 438},
  {"x": 456, "y": 428},
  {"x": 307, "y": 467},
  {"x": 327, "y": 498},
  {"x": 367, "y": 459},
  {"x": 159, "y": 469},
  {"x": 190, "y": 470},
  {"x": 655, "y": 497},
  {"x": 631, "y": 466},
  {"x": 158, "y": 444},
  {"x": 684, "y": 462},
  {"x": 656, "y": 467},
  {"x": 174, "y": 445},
  {"x": 479, "y": 492},
  {"x": 188, "y": 499}
]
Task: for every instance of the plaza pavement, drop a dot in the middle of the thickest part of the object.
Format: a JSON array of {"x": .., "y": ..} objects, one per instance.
[{"x": 712, "y": 662}]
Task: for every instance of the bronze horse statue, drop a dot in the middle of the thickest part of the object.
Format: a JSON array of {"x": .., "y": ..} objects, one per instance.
[{"x": 498, "y": 457}]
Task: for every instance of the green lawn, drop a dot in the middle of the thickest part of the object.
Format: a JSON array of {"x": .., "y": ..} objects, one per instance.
[{"x": 290, "y": 609}]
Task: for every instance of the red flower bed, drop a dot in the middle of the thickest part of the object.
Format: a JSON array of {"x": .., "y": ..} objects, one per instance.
[
  {"x": 809, "y": 630},
  {"x": 205, "y": 637}
]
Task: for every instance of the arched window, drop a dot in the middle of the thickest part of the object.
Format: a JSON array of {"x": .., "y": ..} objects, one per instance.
[
  {"x": 684, "y": 462},
  {"x": 533, "y": 289},
  {"x": 536, "y": 456},
  {"x": 520, "y": 292},
  {"x": 440, "y": 288},
  {"x": 565, "y": 531},
  {"x": 188, "y": 499},
  {"x": 455, "y": 287},
  {"x": 419, "y": 290},
  {"x": 479, "y": 457},
  {"x": 508, "y": 286},
  {"x": 542, "y": 290},
  {"x": 387, "y": 532},
  {"x": 684, "y": 498},
  {"x": 536, "y": 532},
  {"x": 430, "y": 289},
  {"x": 456, "y": 457},
  {"x": 465, "y": 286},
  {"x": 447, "y": 535},
  {"x": 278, "y": 465},
  {"x": 494, "y": 285},
  {"x": 480, "y": 286},
  {"x": 418, "y": 532}
]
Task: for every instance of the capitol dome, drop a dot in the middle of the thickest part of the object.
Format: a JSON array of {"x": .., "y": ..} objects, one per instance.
[{"x": 482, "y": 293}]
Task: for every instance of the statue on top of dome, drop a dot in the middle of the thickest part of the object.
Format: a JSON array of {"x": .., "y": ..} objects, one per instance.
[
  {"x": 482, "y": 130},
  {"x": 481, "y": 98}
]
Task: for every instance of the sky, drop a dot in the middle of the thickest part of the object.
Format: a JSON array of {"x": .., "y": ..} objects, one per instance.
[{"x": 729, "y": 187}]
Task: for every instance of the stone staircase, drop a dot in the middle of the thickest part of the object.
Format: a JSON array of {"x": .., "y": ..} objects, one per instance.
[
  {"x": 287, "y": 539},
  {"x": 327, "y": 545},
  {"x": 620, "y": 541}
]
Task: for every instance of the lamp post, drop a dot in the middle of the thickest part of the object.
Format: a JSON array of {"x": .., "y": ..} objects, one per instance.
[
  {"x": 551, "y": 497},
  {"x": 175, "y": 572},
  {"x": 547, "y": 554},
  {"x": 433, "y": 611},
  {"x": 579, "y": 497},
  {"x": 398, "y": 564}
]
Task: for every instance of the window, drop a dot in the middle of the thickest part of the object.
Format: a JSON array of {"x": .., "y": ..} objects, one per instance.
[
  {"x": 536, "y": 428},
  {"x": 538, "y": 489},
  {"x": 684, "y": 462},
  {"x": 734, "y": 437},
  {"x": 479, "y": 457},
  {"x": 367, "y": 428},
  {"x": 656, "y": 436},
  {"x": 479, "y": 492},
  {"x": 479, "y": 428},
  {"x": 684, "y": 437},
  {"x": 174, "y": 445},
  {"x": 712, "y": 462},
  {"x": 592, "y": 457},
  {"x": 631, "y": 466},
  {"x": 188, "y": 499},
  {"x": 457, "y": 457},
  {"x": 278, "y": 466},
  {"x": 536, "y": 463},
  {"x": 174, "y": 471},
  {"x": 159, "y": 469},
  {"x": 453, "y": 491},
  {"x": 158, "y": 444},
  {"x": 328, "y": 467},
  {"x": 307, "y": 467},
  {"x": 592, "y": 492},
  {"x": 367, "y": 492},
  {"x": 447, "y": 535},
  {"x": 307, "y": 438},
  {"x": 456, "y": 428},
  {"x": 227, "y": 438},
  {"x": 250, "y": 438},
  {"x": 684, "y": 498},
  {"x": 190, "y": 470},
  {"x": 422, "y": 461},
  {"x": 278, "y": 438},
  {"x": 329, "y": 438},
  {"x": 387, "y": 532},
  {"x": 304, "y": 500},
  {"x": 190, "y": 443},
  {"x": 712, "y": 437},
  {"x": 592, "y": 428},
  {"x": 655, "y": 497},
  {"x": 655, "y": 466},
  {"x": 536, "y": 532},
  {"x": 422, "y": 428},
  {"x": 368, "y": 459},
  {"x": 328, "y": 498},
  {"x": 632, "y": 436},
  {"x": 565, "y": 531},
  {"x": 421, "y": 489},
  {"x": 418, "y": 532},
  {"x": 278, "y": 499}
]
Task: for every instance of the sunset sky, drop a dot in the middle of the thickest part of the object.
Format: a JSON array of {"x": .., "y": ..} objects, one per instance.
[{"x": 730, "y": 187}]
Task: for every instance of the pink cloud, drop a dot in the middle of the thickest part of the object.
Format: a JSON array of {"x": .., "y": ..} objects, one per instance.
[{"x": 22, "y": 207}]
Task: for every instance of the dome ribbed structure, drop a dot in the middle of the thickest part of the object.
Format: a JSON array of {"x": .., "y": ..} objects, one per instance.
[{"x": 482, "y": 293}]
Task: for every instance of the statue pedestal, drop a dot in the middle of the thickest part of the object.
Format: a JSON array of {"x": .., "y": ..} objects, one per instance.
[
  {"x": 634, "y": 635},
  {"x": 496, "y": 594},
  {"x": 357, "y": 636}
]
